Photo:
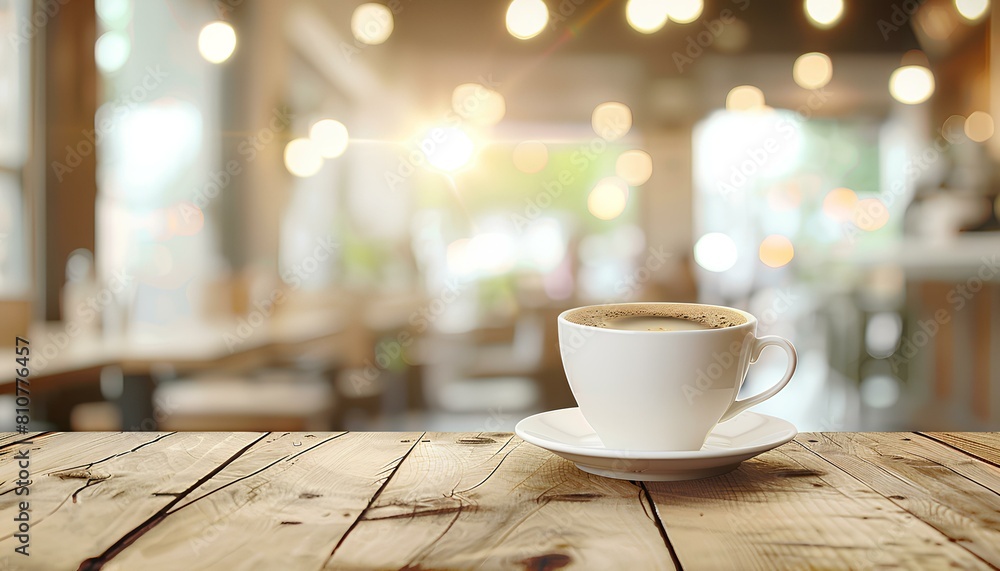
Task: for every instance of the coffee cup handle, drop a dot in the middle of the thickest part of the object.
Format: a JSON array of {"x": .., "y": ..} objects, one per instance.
[{"x": 758, "y": 345}]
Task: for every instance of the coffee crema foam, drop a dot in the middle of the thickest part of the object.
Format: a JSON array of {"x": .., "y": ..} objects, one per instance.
[{"x": 711, "y": 317}]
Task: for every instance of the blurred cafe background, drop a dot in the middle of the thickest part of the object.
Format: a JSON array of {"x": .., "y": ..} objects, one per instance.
[{"x": 308, "y": 215}]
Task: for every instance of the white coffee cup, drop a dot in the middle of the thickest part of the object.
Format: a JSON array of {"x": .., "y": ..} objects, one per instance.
[{"x": 662, "y": 390}]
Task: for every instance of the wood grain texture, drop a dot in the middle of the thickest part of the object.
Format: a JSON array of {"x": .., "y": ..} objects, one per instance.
[
  {"x": 966, "y": 512},
  {"x": 492, "y": 501},
  {"x": 284, "y": 504},
  {"x": 982, "y": 445},
  {"x": 791, "y": 509},
  {"x": 89, "y": 489}
]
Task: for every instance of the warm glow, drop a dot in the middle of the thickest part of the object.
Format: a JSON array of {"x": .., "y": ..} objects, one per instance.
[
  {"x": 911, "y": 84},
  {"x": 493, "y": 252},
  {"x": 330, "y": 137},
  {"x": 372, "y": 24},
  {"x": 812, "y": 70},
  {"x": 716, "y": 252},
  {"x": 478, "y": 104},
  {"x": 448, "y": 148},
  {"x": 217, "y": 41},
  {"x": 745, "y": 98},
  {"x": 979, "y": 126},
  {"x": 972, "y": 10},
  {"x": 302, "y": 158},
  {"x": 608, "y": 198},
  {"x": 824, "y": 13},
  {"x": 646, "y": 16},
  {"x": 611, "y": 120},
  {"x": 111, "y": 51},
  {"x": 527, "y": 18},
  {"x": 870, "y": 214},
  {"x": 776, "y": 251},
  {"x": 839, "y": 204},
  {"x": 530, "y": 156},
  {"x": 634, "y": 167},
  {"x": 684, "y": 11}
]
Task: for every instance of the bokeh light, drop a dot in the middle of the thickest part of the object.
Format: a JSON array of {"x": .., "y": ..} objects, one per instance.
[
  {"x": 217, "y": 42},
  {"x": 646, "y": 16},
  {"x": 776, "y": 251},
  {"x": 972, "y": 10},
  {"x": 372, "y": 24},
  {"x": 685, "y": 11},
  {"x": 911, "y": 84},
  {"x": 953, "y": 129},
  {"x": 611, "y": 120},
  {"x": 527, "y": 18},
  {"x": 608, "y": 198},
  {"x": 111, "y": 51},
  {"x": 812, "y": 70},
  {"x": 870, "y": 214},
  {"x": 530, "y": 156},
  {"x": 113, "y": 12},
  {"x": 330, "y": 136},
  {"x": 478, "y": 104},
  {"x": 839, "y": 204},
  {"x": 824, "y": 13},
  {"x": 634, "y": 167},
  {"x": 745, "y": 98},
  {"x": 979, "y": 126},
  {"x": 880, "y": 391},
  {"x": 302, "y": 157},
  {"x": 716, "y": 252},
  {"x": 448, "y": 150}
]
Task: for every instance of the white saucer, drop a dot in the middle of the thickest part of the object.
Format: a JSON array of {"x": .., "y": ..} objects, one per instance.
[{"x": 566, "y": 433}]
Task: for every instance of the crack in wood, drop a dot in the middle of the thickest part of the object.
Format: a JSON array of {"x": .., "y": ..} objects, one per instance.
[
  {"x": 118, "y": 455},
  {"x": 371, "y": 501},
  {"x": 493, "y": 471},
  {"x": 28, "y": 439},
  {"x": 660, "y": 527},
  {"x": 98, "y": 562}
]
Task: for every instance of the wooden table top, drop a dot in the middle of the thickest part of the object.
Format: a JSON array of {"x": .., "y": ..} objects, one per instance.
[{"x": 491, "y": 501}]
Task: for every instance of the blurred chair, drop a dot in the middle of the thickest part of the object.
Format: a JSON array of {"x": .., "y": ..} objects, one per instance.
[{"x": 273, "y": 400}]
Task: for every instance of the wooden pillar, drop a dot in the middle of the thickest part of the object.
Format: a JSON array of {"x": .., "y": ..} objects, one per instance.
[{"x": 70, "y": 181}]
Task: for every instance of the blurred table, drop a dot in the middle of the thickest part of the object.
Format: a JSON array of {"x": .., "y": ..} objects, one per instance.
[
  {"x": 81, "y": 357},
  {"x": 491, "y": 501}
]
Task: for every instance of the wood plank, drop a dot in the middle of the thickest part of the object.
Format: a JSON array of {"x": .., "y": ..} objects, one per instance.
[
  {"x": 492, "y": 501},
  {"x": 790, "y": 509},
  {"x": 982, "y": 445},
  {"x": 284, "y": 504},
  {"x": 966, "y": 512},
  {"x": 90, "y": 488}
]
